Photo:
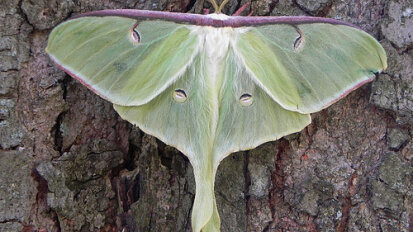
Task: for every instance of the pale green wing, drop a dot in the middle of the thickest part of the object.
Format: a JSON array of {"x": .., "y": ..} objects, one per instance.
[
  {"x": 184, "y": 125},
  {"x": 212, "y": 123},
  {"x": 307, "y": 67},
  {"x": 188, "y": 126},
  {"x": 245, "y": 125},
  {"x": 101, "y": 52}
]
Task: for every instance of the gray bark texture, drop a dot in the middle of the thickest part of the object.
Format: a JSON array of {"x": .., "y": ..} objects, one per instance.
[{"x": 68, "y": 162}]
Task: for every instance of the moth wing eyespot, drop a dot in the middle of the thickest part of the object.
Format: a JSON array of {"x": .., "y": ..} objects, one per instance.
[
  {"x": 246, "y": 99},
  {"x": 299, "y": 42},
  {"x": 135, "y": 37},
  {"x": 179, "y": 96}
]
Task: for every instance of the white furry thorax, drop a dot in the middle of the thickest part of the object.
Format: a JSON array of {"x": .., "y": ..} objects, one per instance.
[
  {"x": 218, "y": 16},
  {"x": 215, "y": 41}
]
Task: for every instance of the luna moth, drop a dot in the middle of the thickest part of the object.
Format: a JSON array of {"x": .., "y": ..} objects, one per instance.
[{"x": 211, "y": 85}]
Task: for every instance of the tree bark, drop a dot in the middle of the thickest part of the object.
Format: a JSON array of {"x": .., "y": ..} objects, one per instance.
[{"x": 68, "y": 162}]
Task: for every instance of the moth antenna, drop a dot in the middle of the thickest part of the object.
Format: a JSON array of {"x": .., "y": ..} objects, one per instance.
[
  {"x": 241, "y": 9},
  {"x": 215, "y": 5},
  {"x": 252, "y": 12},
  {"x": 222, "y": 6}
]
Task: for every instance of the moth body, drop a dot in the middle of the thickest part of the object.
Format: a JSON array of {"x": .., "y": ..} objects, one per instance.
[
  {"x": 214, "y": 44},
  {"x": 214, "y": 84},
  {"x": 218, "y": 16}
]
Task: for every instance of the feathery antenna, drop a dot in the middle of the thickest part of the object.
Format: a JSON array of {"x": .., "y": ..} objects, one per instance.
[
  {"x": 222, "y": 6},
  {"x": 217, "y": 8},
  {"x": 215, "y": 5}
]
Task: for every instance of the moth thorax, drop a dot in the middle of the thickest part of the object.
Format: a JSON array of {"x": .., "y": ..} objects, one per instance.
[
  {"x": 217, "y": 41},
  {"x": 218, "y": 16}
]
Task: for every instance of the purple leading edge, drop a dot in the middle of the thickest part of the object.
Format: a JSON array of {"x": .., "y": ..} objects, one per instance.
[{"x": 205, "y": 20}]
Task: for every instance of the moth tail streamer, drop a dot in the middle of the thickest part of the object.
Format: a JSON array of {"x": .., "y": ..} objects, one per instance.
[{"x": 205, "y": 215}]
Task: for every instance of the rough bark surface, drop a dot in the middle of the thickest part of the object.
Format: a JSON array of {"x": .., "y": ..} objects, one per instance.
[{"x": 69, "y": 163}]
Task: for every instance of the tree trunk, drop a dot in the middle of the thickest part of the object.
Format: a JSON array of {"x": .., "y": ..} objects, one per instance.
[{"x": 68, "y": 162}]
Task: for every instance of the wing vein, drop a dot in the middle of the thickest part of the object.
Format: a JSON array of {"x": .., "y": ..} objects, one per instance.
[
  {"x": 178, "y": 74},
  {"x": 68, "y": 26},
  {"x": 85, "y": 64},
  {"x": 98, "y": 36},
  {"x": 357, "y": 42}
]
